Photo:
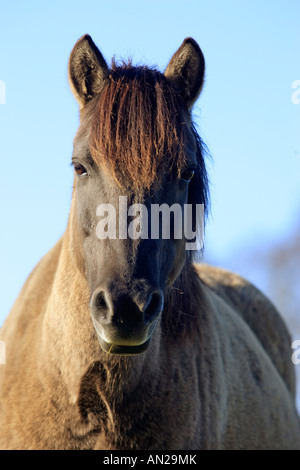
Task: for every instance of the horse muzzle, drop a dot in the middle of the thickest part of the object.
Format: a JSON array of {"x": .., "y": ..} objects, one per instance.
[{"x": 124, "y": 326}]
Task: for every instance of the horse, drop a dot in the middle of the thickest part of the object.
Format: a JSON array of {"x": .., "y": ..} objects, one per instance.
[{"x": 132, "y": 343}]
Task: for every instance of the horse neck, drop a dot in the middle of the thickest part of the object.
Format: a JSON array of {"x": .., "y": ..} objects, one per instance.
[
  {"x": 68, "y": 339},
  {"x": 181, "y": 320}
]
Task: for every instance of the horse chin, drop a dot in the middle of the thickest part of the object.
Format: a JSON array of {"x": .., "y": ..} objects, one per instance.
[
  {"x": 123, "y": 350},
  {"x": 124, "y": 342}
]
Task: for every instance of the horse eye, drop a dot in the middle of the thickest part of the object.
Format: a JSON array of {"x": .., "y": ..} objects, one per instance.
[
  {"x": 80, "y": 170},
  {"x": 187, "y": 175}
]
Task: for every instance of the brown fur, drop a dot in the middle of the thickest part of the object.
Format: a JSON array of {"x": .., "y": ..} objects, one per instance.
[{"x": 217, "y": 373}]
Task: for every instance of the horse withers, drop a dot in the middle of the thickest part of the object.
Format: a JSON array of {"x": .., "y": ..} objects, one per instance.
[{"x": 125, "y": 342}]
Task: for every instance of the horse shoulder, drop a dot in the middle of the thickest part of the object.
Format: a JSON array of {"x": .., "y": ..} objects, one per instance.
[
  {"x": 20, "y": 333},
  {"x": 258, "y": 312},
  {"x": 33, "y": 295}
]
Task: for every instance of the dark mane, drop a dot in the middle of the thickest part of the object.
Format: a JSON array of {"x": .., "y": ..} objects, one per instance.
[{"x": 139, "y": 125}]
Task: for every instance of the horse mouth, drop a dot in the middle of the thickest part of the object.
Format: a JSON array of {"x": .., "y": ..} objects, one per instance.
[
  {"x": 124, "y": 341},
  {"x": 123, "y": 350}
]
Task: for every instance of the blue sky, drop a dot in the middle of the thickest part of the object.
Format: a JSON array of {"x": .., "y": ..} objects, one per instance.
[{"x": 245, "y": 114}]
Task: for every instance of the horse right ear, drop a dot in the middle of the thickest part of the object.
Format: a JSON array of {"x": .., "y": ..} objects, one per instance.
[
  {"x": 88, "y": 70},
  {"x": 186, "y": 71}
]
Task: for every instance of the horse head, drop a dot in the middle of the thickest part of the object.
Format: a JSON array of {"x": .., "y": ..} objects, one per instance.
[{"x": 138, "y": 161}]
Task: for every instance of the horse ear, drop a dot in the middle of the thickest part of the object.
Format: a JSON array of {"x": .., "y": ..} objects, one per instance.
[
  {"x": 88, "y": 70},
  {"x": 186, "y": 71}
]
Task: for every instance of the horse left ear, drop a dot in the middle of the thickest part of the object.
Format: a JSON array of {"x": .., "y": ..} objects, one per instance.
[
  {"x": 186, "y": 71},
  {"x": 88, "y": 70}
]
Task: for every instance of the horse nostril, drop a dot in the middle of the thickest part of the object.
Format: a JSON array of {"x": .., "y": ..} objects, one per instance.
[
  {"x": 100, "y": 307},
  {"x": 100, "y": 302},
  {"x": 154, "y": 306}
]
